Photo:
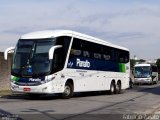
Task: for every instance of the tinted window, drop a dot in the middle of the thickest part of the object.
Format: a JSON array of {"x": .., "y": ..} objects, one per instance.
[
  {"x": 76, "y": 48},
  {"x": 107, "y": 53},
  {"x": 61, "y": 53},
  {"x": 121, "y": 56},
  {"x": 96, "y": 51}
]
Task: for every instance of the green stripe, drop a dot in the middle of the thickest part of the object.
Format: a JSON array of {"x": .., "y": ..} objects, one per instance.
[
  {"x": 15, "y": 78},
  {"x": 122, "y": 67}
]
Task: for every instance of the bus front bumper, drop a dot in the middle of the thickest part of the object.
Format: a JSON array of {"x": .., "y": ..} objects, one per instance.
[
  {"x": 46, "y": 88},
  {"x": 143, "y": 80}
]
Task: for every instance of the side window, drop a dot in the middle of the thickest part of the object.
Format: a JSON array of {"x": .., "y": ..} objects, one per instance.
[
  {"x": 60, "y": 53},
  {"x": 86, "y": 49},
  {"x": 97, "y": 55},
  {"x": 76, "y": 48},
  {"x": 65, "y": 42},
  {"x": 58, "y": 60},
  {"x": 97, "y": 51},
  {"x": 122, "y": 56},
  {"x": 126, "y": 59},
  {"x": 75, "y": 52},
  {"x": 107, "y": 54},
  {"x": 86, "y": 54},
  {"x": 81, "y": 48}
]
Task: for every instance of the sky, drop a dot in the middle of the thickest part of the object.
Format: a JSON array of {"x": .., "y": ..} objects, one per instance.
[{"x": 134, "y": 24}]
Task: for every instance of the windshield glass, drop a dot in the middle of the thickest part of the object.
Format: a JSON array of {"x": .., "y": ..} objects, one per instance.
[
  {"x": 31, "y": 57},
  {"x": 142, "y": 71}
]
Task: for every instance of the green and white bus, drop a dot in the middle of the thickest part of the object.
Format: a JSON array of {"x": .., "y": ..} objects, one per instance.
[{"x": 64, "y": 61}]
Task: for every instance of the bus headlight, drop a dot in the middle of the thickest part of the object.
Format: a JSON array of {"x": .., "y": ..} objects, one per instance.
[{"x": 148, "y": 76}]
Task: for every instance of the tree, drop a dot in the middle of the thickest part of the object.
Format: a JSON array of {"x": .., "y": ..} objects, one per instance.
[
  {"x": 132, "y": 63},
  {"x": 158, "y": 64},
  {"x": 142, "y": 61}
]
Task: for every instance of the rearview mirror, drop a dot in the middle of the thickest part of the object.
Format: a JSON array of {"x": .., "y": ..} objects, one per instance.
[
  {"x": 52, "y": 49},
  {"x": 8, "y": 50}
]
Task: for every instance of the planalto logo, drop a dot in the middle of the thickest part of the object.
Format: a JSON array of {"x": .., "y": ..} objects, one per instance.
[
  {"x": 35, "y": 80},
  {"x": 85, "y": 64}
]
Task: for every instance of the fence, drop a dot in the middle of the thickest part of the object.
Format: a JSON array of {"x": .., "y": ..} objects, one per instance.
[{"x": 5, "y": 69}]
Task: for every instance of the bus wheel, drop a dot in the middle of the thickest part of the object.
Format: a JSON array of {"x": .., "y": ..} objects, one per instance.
[
  {"x": 157, "y": 81},
  {"x": 152, "y": 82},
  {"x": 131, "y": 83},
  {"x": 118, "y": 88},
  {"x": 68, "y": 91},
  {"x": 112, "y": 88}
]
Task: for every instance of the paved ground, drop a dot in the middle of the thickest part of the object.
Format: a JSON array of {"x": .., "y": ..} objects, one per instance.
[{"x": 140, "y": 102}]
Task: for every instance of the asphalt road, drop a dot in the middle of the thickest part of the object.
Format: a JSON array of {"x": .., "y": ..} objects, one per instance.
[{"x": 136, "y": 103}]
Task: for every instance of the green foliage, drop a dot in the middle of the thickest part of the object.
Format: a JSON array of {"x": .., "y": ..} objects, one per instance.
[
  {"x": 158, "y": 64},
  {"x": 141, "y": 61},
  {"x": 133, "y": 62}
]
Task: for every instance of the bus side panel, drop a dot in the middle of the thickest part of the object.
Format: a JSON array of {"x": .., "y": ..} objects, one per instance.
[{"x": 87, "y": 80}]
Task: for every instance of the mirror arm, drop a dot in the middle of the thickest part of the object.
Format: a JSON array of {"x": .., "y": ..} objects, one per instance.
[
  {"x": 52, "y": 49},
  {"x": 8, "y": 50}
]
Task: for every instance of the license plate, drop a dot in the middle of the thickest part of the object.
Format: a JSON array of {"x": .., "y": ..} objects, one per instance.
[{"x": 26, "y": 89}]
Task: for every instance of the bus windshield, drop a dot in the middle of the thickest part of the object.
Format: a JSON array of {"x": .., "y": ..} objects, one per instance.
[
  {"x": 31, "y": 57},
  {"x": 142, "y": 71}
]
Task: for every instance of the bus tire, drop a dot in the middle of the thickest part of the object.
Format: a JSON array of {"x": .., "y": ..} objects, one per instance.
[
  {"x": 131, "y": 84},
  {"x": 152, "y": 82},
  {"x": 118, "y": 87},
  {"x": 112, "y": 88},
  {"x": 68, "y": 91},
  {"x": 156, "y": 82}
]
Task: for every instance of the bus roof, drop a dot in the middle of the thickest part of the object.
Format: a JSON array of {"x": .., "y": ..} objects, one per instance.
[
  {"x": 139, "y": 65},
  {"x": 57, "y": 33}
]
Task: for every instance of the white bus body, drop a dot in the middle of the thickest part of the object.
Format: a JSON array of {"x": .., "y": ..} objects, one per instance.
[
  {"x": 64, "y": 61},
  {"x": 145, "y": 73}
]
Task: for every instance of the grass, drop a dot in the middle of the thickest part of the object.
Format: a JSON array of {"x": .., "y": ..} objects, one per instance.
[{"x": 5, "y": 92}]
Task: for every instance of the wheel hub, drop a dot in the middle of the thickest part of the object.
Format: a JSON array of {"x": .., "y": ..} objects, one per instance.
[{"x": 67, "y": 90}]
